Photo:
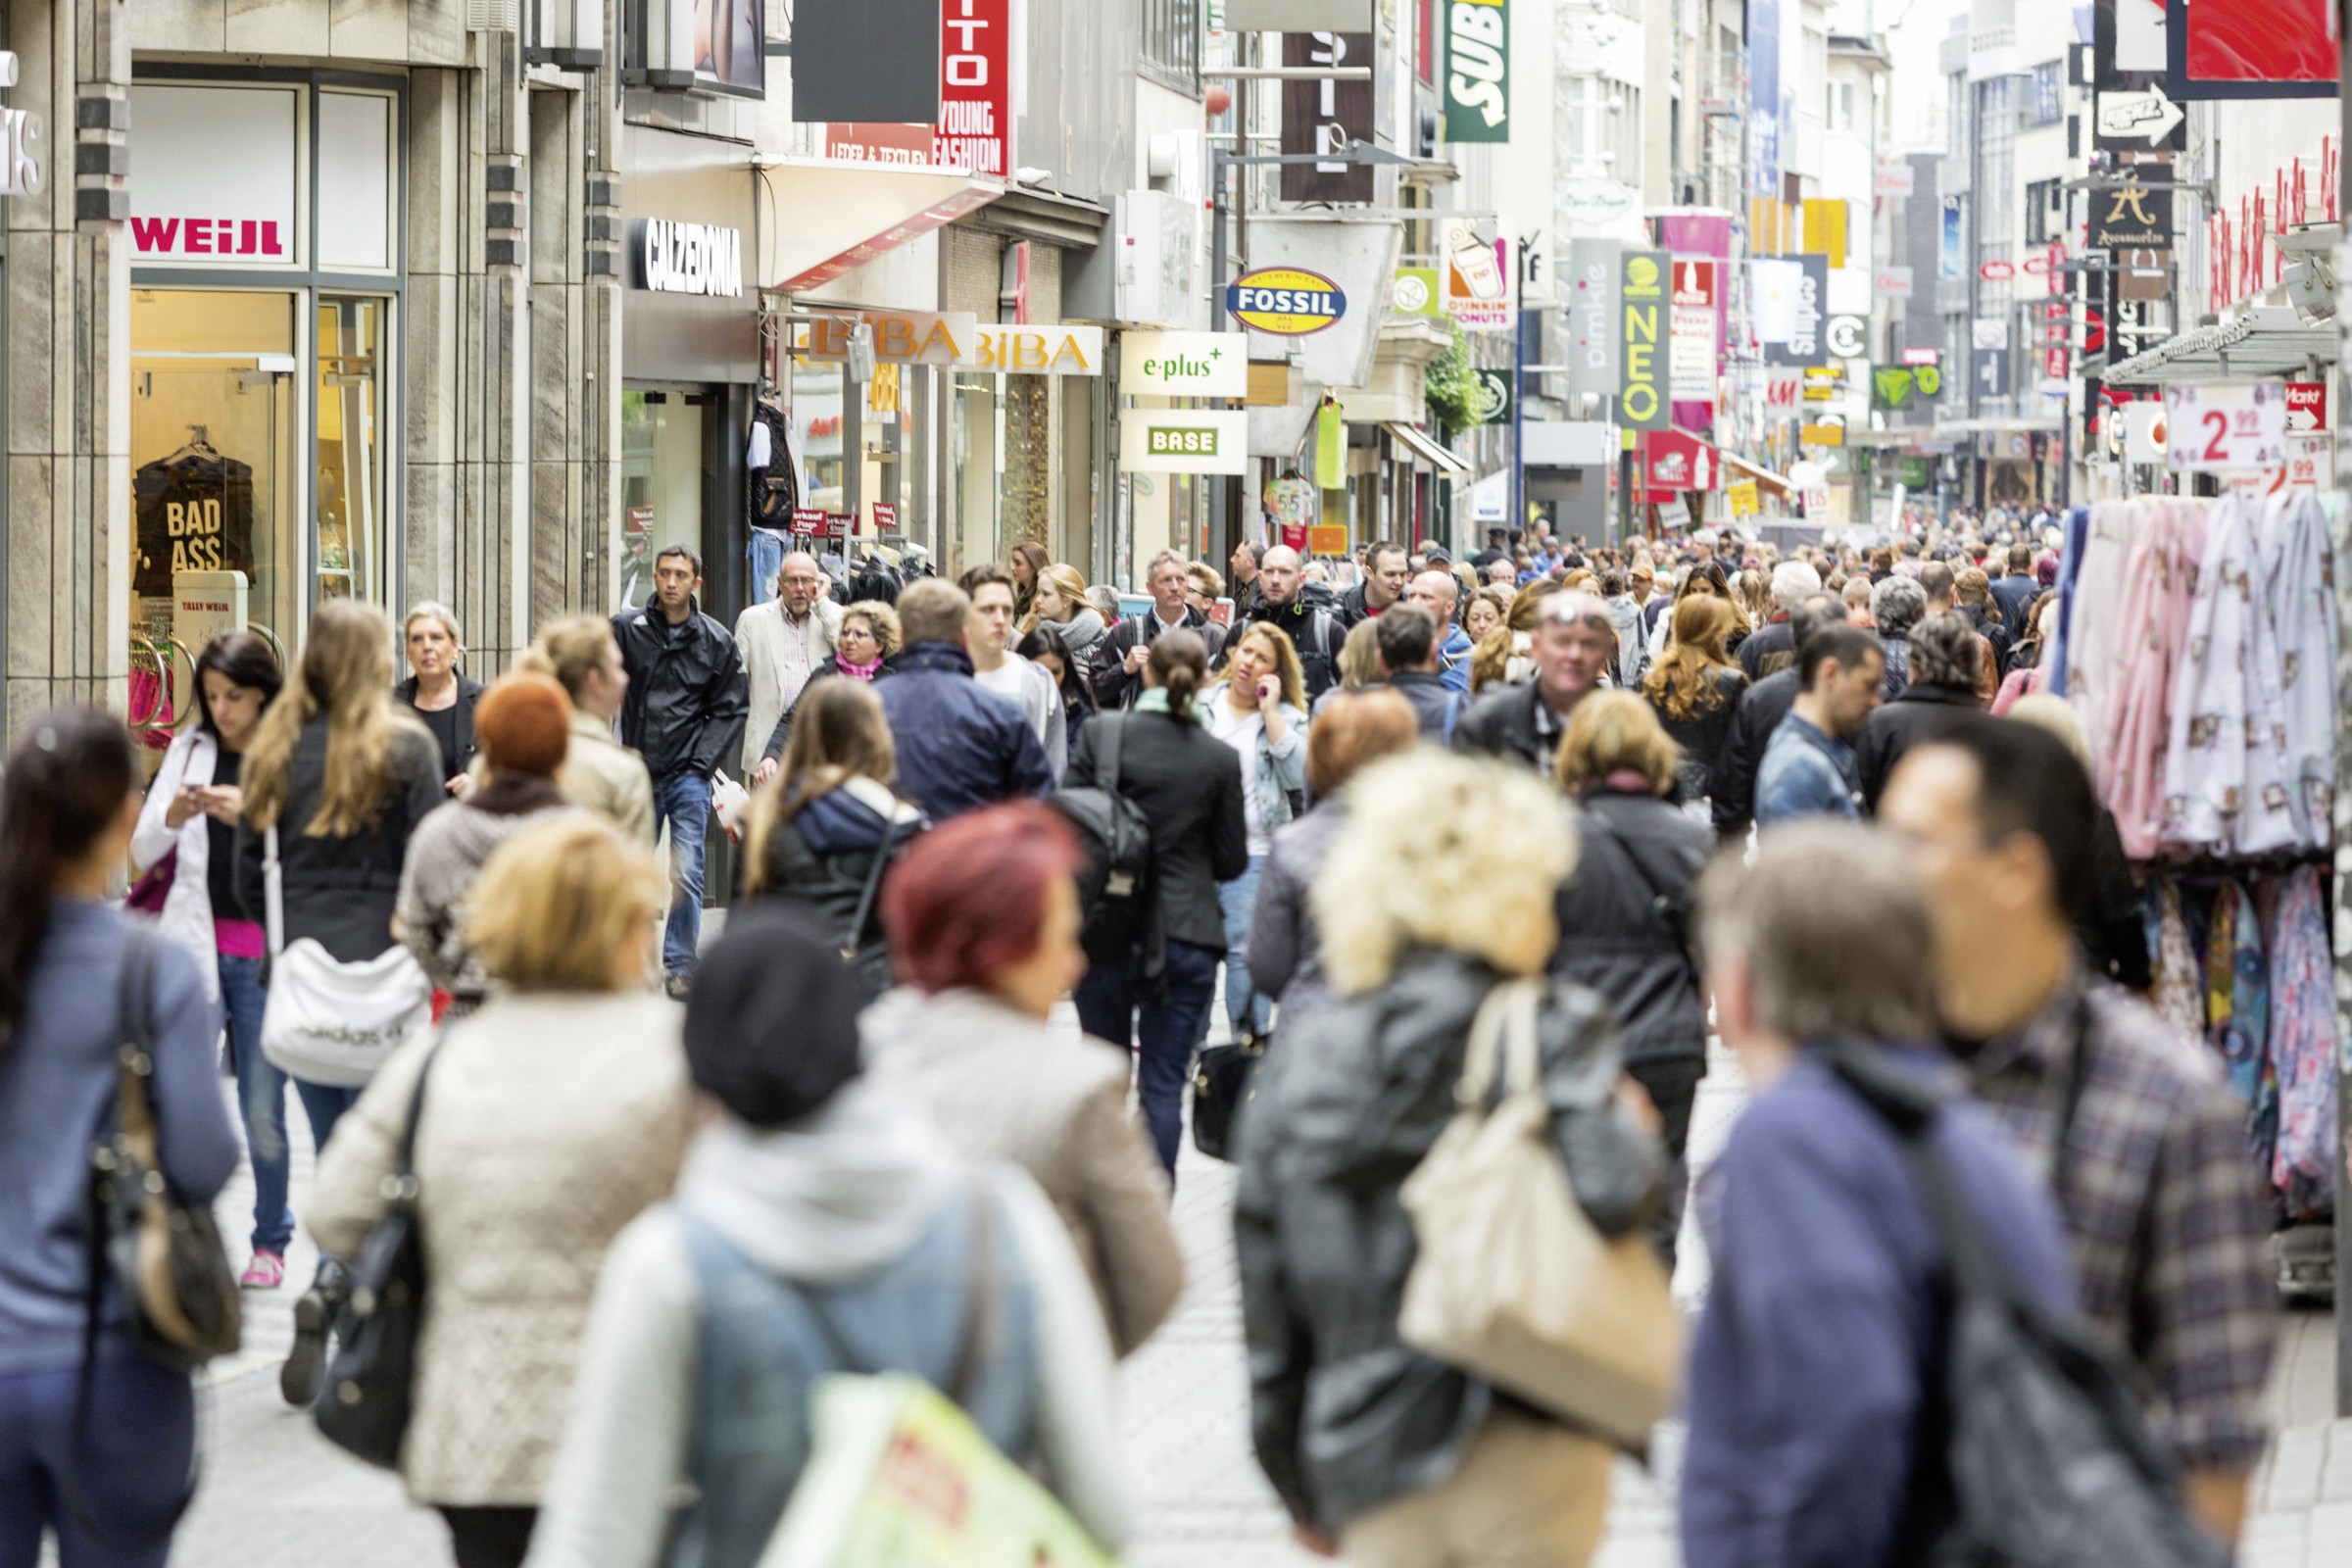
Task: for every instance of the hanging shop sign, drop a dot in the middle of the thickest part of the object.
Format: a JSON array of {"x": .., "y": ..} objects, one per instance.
[
  {"x": 1416, "y": 293},
  {"x": 2139, "y": 119},
  {"x": 1783, "y": 390},
  {"x": 1478, "y": 70},
  {"x": 1184, "y": 364},
  {"x": 957, "y": 340},
  {"x": 2219, "y": 426},
  {"x": 974, "y": 129},
  {"x": 886, "y": 516},
  {"x": 1676, "y": 461},
  {"x": 215, "y": 172},
  {"x": 2128, "y": 215},
  {"x": 1695, "y": 328},
  {"x": 1891, "y": 178},
  {"x": 1491, "y": 404},
  {"x": 1892, "y": 282},
  {"x": 674, "y": 257},
  {"x": 2306, "y": 407},
  {"x": 1287, "y": 301},
  {"x": 1918, "y": 357},
  {"x": 1593, "y": 273},
  {"x": 1184, "y": 441},
  {"x": 1903, "y": 386},
  {"x": 1744, "y": 499},
  {"x": 1990, "y": 372},
  {"x": 1477, "y": 278},
  {"x": 1849, "y": 336},
  {"x": 1997, "y": 271},
  {"x": 1642, "y": 383},
  {"x": 2250, "y": 49},
  {"x": 1326, "y": 116},
  {"x": 1805, "y": 342}
]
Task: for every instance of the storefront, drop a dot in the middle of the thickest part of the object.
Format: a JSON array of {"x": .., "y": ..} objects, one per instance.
[
  {"x": 690, "y": 361},
  {"x": 265, "y": 329}
]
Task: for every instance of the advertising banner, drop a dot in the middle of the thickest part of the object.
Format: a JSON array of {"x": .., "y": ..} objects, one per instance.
[
  {"x": 1764, "y": 98},
  {"x": 1591, "y": 316},
  {"x": 1185, "y": 364},
  {"x": 877, "y": 59},
  {"x": 1807, "y": 342},
  {"x": 974, "y": 127},
  {"x": 1642, "y": 383},
  {"x": 1358, "y": 257},
  {"x": 1697, "y": 306},
  {"x": 1477, "y": 278},
  {"x": 1478, "y": 70},
  {"x": 1325, "y": 117}
]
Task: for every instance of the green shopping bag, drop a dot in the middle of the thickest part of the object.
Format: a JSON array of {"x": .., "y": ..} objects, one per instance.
[{"x": 899, "y": 1477}]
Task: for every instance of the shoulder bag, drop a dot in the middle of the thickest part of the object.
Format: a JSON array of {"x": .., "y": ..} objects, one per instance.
[
  {"x": 1223, "y": 1083},
  {"x": 370, "y": 1381},
  {"x": 1514, "y": 1284},
  {"x": 330, "y": 1023}
]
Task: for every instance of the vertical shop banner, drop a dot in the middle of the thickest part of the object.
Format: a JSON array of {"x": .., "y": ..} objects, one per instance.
[
  {"x": 974, "y": 129},
  {"x": 1642, "y": 383},
  {"x": 1325, "y": 117},
  {"x": 1764, "y": 98},
  {"x": 1698, "y": 307},
  {"x": 1807, "y": 341},
  {"x": 1477, "y": 278},
  {"x": 1478, "y": 70},
  {"x": 1592, "y": 270}
]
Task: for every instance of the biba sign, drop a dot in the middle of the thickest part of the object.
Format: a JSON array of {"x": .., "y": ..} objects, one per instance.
[
  {"x": 956, "y": 340},
  {"x": 675, "y": 258}
]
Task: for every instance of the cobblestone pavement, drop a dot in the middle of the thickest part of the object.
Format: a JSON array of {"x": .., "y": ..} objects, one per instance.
[{"x": 275, "y": 1494}]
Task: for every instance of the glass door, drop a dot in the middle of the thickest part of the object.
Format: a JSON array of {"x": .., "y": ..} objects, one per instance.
[{"x": 348, "y": 497}]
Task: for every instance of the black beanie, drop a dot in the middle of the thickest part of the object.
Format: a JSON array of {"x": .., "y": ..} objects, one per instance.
[{"x": 771, "y": 1021}]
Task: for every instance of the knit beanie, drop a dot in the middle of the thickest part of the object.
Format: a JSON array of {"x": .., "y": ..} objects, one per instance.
[
  {"x": 523, "y": 723},
  {"x": 772, "y": 1023}
]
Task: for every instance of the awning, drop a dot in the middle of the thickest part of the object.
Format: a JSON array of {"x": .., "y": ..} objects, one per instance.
[
  {"x": 821, "y": 218},
  {"x": 1424, "y": 448},
  {"x": 1676, "y": 460},
  {"x": 2268, "y": 340},
  {"x": 1739, "y": 468}
]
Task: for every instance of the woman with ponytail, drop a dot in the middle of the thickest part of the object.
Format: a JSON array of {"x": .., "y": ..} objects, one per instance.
[
  {"x": 102, "y": 1460},
  {"x": 1151, "y": 989}
]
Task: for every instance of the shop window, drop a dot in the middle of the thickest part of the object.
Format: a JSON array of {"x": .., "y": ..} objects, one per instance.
[
  {"x": 660, "y": 484},
  {"x": 1171, "y": 43},
  {"x": 351, "y": 464}
]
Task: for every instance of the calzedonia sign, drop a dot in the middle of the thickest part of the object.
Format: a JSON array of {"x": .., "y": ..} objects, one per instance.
[
  {"x": 1184, "y": 441},
  {"x": 1184, "y": 364},
  {"x": 674, "y": 257}
]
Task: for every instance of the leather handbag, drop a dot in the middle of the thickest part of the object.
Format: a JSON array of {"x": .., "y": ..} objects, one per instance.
[
  {"x": 1513, "y": 1282},
  {"x": 1223, "y": 1083},
  {"x": 328, "y": 1021},
  {"x": 370, "y": 1388},
  {"x": 154, "y": 886}
]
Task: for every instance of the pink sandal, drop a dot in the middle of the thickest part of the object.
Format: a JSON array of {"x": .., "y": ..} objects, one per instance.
[{"x": 266, "y": 1272}]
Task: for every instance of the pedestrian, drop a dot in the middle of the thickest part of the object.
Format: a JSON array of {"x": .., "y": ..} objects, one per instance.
[
  {"x": 1816, "y": 1422},
  {"x": 1438, "y": 593},
  {"x": 1809, "y": 767},
  {"x": 1154, "y": 992},
  {"x": 599, "y": 773},
  {"x": 1046, "y": 647},
  {"x": 2029, "y": 660},
  {"x": 1062, "y": 599},
  {"x": 1793, "y": 583},
  {"x": 543, "y": 1123},
  {"x": 684, "y": 713},
  {"x": 862, "y": 648},
  {"x": 1408, "y": 657},
  {"x": 345, "y": 777},
  {"x": 440, "y": 694},
  {"x": 2016, "y": 591},
  {"x": 190, "y": 818},
  {"x": 1284, "y": 603},
  {"x": 1204, "y": 588},
  {"x": 1485, "y": 612},
  {"x": 1119, "y": 665},
  {"x": 784, "y": 643},
  {"x": 97, "y": 1440},
  {"x": 1896, "y": 605},
  {"x": 1260, "y": 709},
  {"x": 1625, "y": 916},
  {"x": 1418, "y": 1462},
  {"x": 1028, "y": 564},
  {"x": 959, "y": 747},
  {"x": 1358, "y": 665},
  {"x": 1695, "y": 689},
  {"x": 997, "y": 668},
  {"x": 2143, "y": 1144},
  {"x": 1704, "y": 577},
  {"x": 1242, "y": 574},
  {"x": 983, "y": 920},
  {"x": 1387, "y": 567},
  {"x": 825, "y": 832},
  {"x": 1570, "y": 650},
  {"x": 1942, "y": 690},
  {"x": 525, "y": 722},
  {"x": 1972, "y": 592},
  {"x": 820, "y": 1226},
  {"x": 1938, "y": 583},
  {"x": 2112, "y": 930},
  {"x": 1856, "y": 594},
  {"x": 1286, "y": 948}
]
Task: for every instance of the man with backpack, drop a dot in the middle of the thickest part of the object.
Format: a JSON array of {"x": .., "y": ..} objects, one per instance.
[
  {"x": 1120, "y": 661},
  {"x": 1408, "y": 652},
  {"x": 1301, "y": 611}
]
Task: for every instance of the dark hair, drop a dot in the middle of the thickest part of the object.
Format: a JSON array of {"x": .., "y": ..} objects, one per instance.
[
  {"x": 1850, "y": 646},
  {"x": 987, "y": 572},
  {"x": 1612, "y": 583},
  {"x": 1257, "y": 551},
  {"x": 1814, "y": 613},
  {"x": 1407, "y": 635},
  {"x": 2021, "y": 557},
  {"x": 1937, "y": 581},
  {"x": 242, "y": 659},
  {"x": 692, "y": 560},
  {"x": 1944, "y": 651},
  {"x": 1180, "y": 660},
  {"x": 969, "y": 898},
  {"x": 2029, "y": 782},
  {"x": 1049, "y": 637},
  {"x": 65, "y": 781}
]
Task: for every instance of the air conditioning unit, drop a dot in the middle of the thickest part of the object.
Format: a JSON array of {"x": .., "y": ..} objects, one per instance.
[{"x": 493, "y": 15}]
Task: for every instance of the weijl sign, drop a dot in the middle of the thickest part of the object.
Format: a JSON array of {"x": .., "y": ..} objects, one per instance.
[{"x": 689, "y": 258}]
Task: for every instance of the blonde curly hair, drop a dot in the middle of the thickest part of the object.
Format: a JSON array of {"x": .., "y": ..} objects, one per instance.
[{"x": 1471, "y": 851}]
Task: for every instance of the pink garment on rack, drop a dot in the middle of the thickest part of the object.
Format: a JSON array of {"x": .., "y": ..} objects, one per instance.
[
  {"x": 2091, "y": 665},
  {"x": 2158, "y": 585}
]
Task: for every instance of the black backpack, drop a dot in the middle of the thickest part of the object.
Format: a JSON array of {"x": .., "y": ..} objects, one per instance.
[
  {"x": 2041, "y": 1456},
  {"x": 1114, "y": 885}
]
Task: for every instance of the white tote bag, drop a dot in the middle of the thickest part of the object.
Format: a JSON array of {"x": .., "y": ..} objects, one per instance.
[
  {"x": 330, "y": 1023},
  {"x": 1513, "y": 1282}
]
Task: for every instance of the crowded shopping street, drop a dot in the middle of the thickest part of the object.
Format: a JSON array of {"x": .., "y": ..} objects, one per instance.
[{"x": 1046, "y": 783}]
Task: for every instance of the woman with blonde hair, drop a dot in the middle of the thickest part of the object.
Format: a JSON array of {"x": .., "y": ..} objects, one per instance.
[
  {"x": 1061, "y": 598},
  {"x": 1260, "y": 709},
  {"x": 599, "y": 773},
  {"x": 1420, "y": 1461},
  {"x": 1358, "y": 662},
  {"x": 340, "y": 777},
  {"x": 439, "y": 693},
  {"x": 544, "y": 1122},
  {"x": 1624, "y": 917},
  {"x": 1694, "y": 686},
  {"x": 825, "y": 831}
]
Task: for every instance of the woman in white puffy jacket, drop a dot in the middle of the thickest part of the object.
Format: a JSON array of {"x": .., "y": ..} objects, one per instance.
[{"x": 191, "y": 819}]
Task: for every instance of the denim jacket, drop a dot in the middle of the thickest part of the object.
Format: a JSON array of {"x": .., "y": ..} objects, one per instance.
[
  {"x": 1805, "y": 773},
  {"x": 1281, "y": 781}
]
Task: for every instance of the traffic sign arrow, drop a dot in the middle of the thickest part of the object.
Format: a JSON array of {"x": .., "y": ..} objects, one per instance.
[{"x": 2138, "y": 116}]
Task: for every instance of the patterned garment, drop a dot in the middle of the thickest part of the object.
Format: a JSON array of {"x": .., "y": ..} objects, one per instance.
[
  {"x": 2302, "y": 1049},
  {"x": 2224, "y": 783},
  {"x": 2070, "y": 594},
  {"x": 2159, "y": 587},
  {"x": 2298, "y": 562},
  {"x": 2171, "y": 1227},
  {"x": 2238, "y": 1008},
  {"x": 2094, "y": 613},
  {"x": 2179, "y": 992}
]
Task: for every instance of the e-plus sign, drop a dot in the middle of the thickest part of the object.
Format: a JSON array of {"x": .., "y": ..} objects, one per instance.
[{"x": 1217, "y": 353}]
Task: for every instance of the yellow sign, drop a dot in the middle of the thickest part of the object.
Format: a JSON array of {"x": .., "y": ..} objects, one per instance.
[
  {"x": 1744, "y": 502},
  {"x": 1286, "y": 300},
  {"x": 1327, "y": 539},
  {"x": 1822, "y": 435}
]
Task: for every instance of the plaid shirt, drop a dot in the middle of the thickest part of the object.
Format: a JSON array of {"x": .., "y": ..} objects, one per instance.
[{"x": 2169, "y": 1222}]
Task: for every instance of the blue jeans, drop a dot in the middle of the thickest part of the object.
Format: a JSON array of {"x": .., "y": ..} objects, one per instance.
[
  {"x": 1239, "y": 900},
  {"x": 1108, "y": 999},
  {"x": 683, "y": 801},
  {"x": 129, "y": 1479},
  {"x": 261, "y": 1096}
]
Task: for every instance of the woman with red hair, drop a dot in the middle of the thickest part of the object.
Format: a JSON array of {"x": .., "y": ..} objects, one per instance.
[{"x": 982, "y": 915}]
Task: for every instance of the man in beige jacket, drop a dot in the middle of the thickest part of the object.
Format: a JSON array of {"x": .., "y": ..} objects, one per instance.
[{"x": 784, "y": 642}]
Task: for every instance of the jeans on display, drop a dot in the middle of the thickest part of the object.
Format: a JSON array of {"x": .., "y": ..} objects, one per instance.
[
  {"x": 1109, "y": 1000},
  {"x": 683, "y": 801},
  {"x": 1672, "y": 1084},
  {"x": 1238, "y": 897},
  {"x": 262, "y": 1102},
  {"x": 130, "y": 1477}
]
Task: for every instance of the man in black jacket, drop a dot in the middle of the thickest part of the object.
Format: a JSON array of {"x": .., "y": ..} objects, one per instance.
[
  {"x": 1246, "y": 580},
  {"x": 1761, "y": 709},
  {"x": 1386, "y": 570},
  {"x": 2016, "y": 592},
  {"x": 1120, "y": 661},
  {"x": 1942, "y": 690},
  {"x": 1574, "y": 640},
  {"x": 1311, "y": 628},
  {"x": 684, "y": 713},
  {"x": 1408, "y": 652}
]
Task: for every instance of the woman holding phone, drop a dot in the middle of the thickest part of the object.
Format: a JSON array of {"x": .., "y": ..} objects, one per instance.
[{"x": 1260, "y": 709}]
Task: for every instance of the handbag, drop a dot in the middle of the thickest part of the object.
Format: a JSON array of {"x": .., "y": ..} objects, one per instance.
[
  {"x": 154, "y": 886},
  {"x": 370, "y": 1379},
  {"x": 1223, "y": 1083},
  {"x": 1514, "y": 1284},
  {"x": 328, "y": 1021}
]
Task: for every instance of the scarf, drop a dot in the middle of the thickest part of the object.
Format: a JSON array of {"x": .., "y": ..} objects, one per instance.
[
  {"x": 1155, "y": 701},
  {"x": 857, "y": 671}
]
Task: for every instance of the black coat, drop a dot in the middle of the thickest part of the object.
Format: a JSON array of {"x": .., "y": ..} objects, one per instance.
[
  {"x": 1615, "y": 938},
  {"x": 1761, "y": 709},
  {"x": 1314, "y": 631},
  {"x": 1777, "y": 636},
  {"x": 1919, "y": 714},
  {"x": 2114, "y": 934},
  {"x": 1353, "y": 611},
  {"x": 1503, "y": 724},
  {"x": 1114, "y": 688},
  {"x": 1188, "y": 784},
  {"x": 1703, "y": 735},
  {"x": 824, "y": 858},
  {"x": 470, "y": 692},
  {"x": 688, "y": 698}
]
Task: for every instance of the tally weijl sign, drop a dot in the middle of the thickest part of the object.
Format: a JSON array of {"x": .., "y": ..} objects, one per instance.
[
  {"x": 209, "y": 237},
  {"x": 675, "y": 258},
  {"x": 958, "y": 340}
]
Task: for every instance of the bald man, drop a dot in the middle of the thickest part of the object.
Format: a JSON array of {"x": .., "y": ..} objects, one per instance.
[
  {"x": 1302, "y": 612},
  {"x": 1440, "y": 594}
]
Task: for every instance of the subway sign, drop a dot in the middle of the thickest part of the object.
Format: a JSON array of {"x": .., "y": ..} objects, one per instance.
[
  {"x": 1478, "y": 70},
  {"x": 1287, "y": 301}
]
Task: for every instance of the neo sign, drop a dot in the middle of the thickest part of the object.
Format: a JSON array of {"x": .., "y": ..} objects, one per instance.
[
  {"x": 675, "y": 258},
  {"x": 1641, "y": 387},
  {"x": 1287, "y": 301}
]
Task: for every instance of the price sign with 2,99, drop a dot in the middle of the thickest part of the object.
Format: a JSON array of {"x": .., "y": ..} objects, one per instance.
[{"x": 2225, "y": 426}]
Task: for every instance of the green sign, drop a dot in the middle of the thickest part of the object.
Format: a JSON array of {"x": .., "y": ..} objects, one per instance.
[
  {"x": 1898, "y": 386},
  {"x": 1492, "y": 402},
  {"x": 1478, "y": 70},
  {"x": 1416, "y": 293},
  {"x": 1180, "y": 441},
  {"x": 1913, "y": 473},
  {"x": 1641, "y": 321}
]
